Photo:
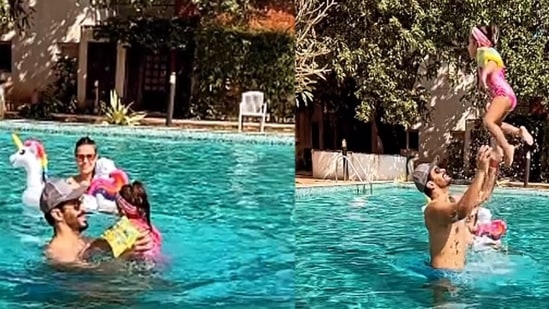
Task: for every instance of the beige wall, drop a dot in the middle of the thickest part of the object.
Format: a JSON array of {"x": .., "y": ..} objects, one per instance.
[
  {"x": 33, "y": 53},
  {"x": 449, "y": 114},
  {"x": 362, "y": 167}
]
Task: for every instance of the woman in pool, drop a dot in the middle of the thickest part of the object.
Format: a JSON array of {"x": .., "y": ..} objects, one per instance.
[{"x": 85, "y": 153}]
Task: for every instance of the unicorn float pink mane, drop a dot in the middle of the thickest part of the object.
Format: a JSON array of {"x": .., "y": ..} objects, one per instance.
[
  {"x": 31, "y": 155},
  {"x": 40, "y": 152},
  {"x": 40, "y": 155},
  {"x": 109, "y": 187}
]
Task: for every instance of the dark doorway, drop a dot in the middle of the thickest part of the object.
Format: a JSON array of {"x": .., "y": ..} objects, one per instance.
[
  {"x": 101, "y": 68},
  {"x": 148, "y": 76},
  {"x": 156, "y": 87}
]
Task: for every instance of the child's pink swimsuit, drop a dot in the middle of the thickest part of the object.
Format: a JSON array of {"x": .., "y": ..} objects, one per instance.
[
  {"x": 155, "y": 238},
  {"x": 497, "y": 84},
  {"x": 137, "y": 219}
]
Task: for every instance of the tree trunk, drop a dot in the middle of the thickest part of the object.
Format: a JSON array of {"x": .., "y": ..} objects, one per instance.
[{"x": 377, "y": 143}]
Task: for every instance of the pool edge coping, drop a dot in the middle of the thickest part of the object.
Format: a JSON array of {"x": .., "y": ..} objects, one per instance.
[
  {"x": 363, "y": 188},
  {"x": 25, "y": 125}
]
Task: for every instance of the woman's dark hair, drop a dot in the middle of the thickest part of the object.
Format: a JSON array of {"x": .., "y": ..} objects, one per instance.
[
  {"x": 86, "y": 140},
  {"x": 491, "y": 32},
  {"x": 136, "y": 195}
]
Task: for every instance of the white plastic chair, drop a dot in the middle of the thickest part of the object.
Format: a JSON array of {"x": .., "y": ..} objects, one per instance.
[{"x": 253, "y": 104}]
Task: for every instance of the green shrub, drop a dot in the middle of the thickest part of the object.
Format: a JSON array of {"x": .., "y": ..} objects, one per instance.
[
  {"x": 58, "y": 96},
  {"x": 231, "y": 61},
  {"x": 539, "y": 168}
]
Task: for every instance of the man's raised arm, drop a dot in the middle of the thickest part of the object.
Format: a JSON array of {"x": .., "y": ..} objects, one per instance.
[
  {"x": 472, "y": 196},
  {"x": 490, "y": 181}
]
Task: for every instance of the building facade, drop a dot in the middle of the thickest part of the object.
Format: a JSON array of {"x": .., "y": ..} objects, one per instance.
[
  {"x": 448, "y": 123},
  {"x": 138, "y": 75}
]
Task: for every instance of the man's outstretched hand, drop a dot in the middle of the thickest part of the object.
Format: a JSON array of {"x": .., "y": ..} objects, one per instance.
[{"x": 484, "y": 155}]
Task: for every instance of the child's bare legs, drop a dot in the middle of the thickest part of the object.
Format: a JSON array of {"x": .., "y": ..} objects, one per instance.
[
  {"x": 522, "y": 132},
  {"x": 493, "y": 121},
  {"x": 497, "y": 152}
]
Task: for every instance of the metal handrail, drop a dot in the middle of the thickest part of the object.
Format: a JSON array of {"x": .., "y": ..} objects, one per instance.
[
  {"x": 344, "y": 157},
  {"x": 363, "y": 170},
  {"x": 350, "y": 164}
]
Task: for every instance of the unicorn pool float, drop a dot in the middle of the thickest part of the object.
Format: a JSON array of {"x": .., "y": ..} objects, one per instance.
[
  {"x": 106, "y": 183},
  {"x": 31, "y": 156},
  {"x": 488, "y": 232}
]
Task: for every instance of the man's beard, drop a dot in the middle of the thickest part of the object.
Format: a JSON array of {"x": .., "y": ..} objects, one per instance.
[
  {"x": 449, "y": 180},
  {"x": 83, "y": 228}
]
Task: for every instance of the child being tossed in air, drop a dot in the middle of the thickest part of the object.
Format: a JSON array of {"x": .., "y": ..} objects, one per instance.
[{"x": 482, "y": 43}]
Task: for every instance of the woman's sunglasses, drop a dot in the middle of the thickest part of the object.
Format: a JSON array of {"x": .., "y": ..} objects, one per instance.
[{"x": 82, "y": 157}]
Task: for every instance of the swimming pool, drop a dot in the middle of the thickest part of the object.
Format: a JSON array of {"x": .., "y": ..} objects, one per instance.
[
  {"x": 360, "y": 251},
  {"x": 222, "y": 204}
]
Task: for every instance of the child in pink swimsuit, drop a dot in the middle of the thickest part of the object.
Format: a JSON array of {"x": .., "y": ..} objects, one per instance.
[
  {"x": 482, "y": 42},
  {"x": 133, "y": 203}
]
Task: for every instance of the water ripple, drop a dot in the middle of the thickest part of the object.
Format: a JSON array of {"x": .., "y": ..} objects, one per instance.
[
  {"x": 370, "y": 252},
  {"x": 224, "y": 210}
]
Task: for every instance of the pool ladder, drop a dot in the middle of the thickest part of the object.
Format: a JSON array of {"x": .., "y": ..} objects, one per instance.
[{"x": 346, "y": 158}]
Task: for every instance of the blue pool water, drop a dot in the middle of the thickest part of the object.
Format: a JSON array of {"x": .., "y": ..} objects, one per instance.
[
  {"x": 360, "y": 251},
  {"x": 224, "y": 210}
]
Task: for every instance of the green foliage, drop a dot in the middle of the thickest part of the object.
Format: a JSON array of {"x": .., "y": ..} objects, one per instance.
[
  {"x": 381, "y": 45},
  {"x": 523, "y": 42},
  {"x": 539, "y": 169},
  {"x": 231, "y": 61},
  {"x": 240, "y": 11},
  {"x": 228, "y": 60},
  {"x": 454, "y": 159},
  {"x": 64, "y": 88},
  {"x": 310, "y": 47},
  {"x": 58, "y": 96},
  {"x": 42, "y": 110},
  {"x": 148, "y": 32},
  {"x": 212, "y": 8},
  {"x": 138, "y": 5},
  {"x": 120, "y": 114},
  {"x": 15, "y": 14},
  {"x": 209, "y": 10}
]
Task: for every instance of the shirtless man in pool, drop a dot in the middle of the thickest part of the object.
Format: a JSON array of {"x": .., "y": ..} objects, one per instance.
[
  {"x": 61, "y": 205},
  {"x": 449, "y": 236}
]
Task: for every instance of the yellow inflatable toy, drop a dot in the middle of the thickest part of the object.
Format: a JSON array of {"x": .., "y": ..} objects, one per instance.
[{"x": 121, "y": 236}]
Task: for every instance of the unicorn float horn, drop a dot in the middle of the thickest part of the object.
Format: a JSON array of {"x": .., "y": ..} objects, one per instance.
[
  {"x": 17, "y": 141},
  {"x": 30, "y": 155}
]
